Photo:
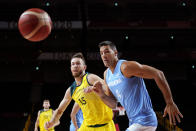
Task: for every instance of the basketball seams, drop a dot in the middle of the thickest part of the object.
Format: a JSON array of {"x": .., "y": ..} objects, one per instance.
[
  {"x": 35, "y": 24},
  {"x": 41, "y": 23}
]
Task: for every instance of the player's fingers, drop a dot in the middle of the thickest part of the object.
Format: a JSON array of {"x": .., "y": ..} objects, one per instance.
[
  {"x": 98, "y": 84},
  {"x": 46, "y": 125},
  {"x": 179, "y": 113},
  {"x": 177, "y": 117},
  {"x": 173, "y": 118},
  {"x": 170, "y": 118},
  {"x": 95, "y": 89},
  {"x": 165, "y": 113},
  {"x": 88, "y": 90}
]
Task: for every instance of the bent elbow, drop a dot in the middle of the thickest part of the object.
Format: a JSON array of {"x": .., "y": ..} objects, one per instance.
[
  {"x": 71, "y": 115},
  {"x": 159, "y": 74},
  {"x": 113, "y": 106}
]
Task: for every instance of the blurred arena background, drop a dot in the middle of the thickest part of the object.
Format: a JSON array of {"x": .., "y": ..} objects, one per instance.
[{"x": 160, "y": 33}]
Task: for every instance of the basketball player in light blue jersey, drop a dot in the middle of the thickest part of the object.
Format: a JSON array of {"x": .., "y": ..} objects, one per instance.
[
  {"x": 76, "y": 118},
  {"x": 124, "y": 81}
]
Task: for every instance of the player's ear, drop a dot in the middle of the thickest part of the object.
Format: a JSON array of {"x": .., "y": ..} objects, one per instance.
[
  {"x": 85, "y": 67},
  {"x": 116, "y": 52}
]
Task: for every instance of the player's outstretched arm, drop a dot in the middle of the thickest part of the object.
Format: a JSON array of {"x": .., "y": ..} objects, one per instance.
[
  {"x": 58, "y": 122},
  {"x": 59, "y": 111},
  {"x": 74, "y": 111},
  {"x": 132, "y": 68}
]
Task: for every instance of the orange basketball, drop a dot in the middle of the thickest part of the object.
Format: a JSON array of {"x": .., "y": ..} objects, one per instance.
[{"x": 35, "y": 24}]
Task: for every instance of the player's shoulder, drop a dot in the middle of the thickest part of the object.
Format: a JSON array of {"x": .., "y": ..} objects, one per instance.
[
  {"x": 92, "y": 78},
  {"x": 90, "y": 75},
  {"x": 128, "y": 63},
  {"x": 72, "y": 87},
  {"x": 105, "y": 72},
  {"x": 40, "y": 111}
]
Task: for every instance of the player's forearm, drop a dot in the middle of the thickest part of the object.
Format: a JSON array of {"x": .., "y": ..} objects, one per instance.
[
  {"x": 109, "y": 101},
  {"x": 56, "y": 116},
  {"x": 56, "y": 124},
  {"x": 73, "y": 118},
  {"x": 164, "y": 87},
  {"x": 36, "y": 125},
  {"x": 59, "y": 111},
  {"x": 35, "y": 128}
]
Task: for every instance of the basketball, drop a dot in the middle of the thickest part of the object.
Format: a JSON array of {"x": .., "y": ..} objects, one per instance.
[{"x": 35, "y": 24}]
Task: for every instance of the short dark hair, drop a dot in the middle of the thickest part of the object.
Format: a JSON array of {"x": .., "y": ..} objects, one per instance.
[
  {"x": 79, "y": 55},
  {"x": 108, "y": 43}
]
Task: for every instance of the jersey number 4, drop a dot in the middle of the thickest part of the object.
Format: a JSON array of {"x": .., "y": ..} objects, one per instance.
[{"x": 82, "y": 101}]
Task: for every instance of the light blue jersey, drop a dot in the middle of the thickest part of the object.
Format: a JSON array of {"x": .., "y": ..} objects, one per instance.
[
  {"x": 133, "y": 96},
  {"x": 79, "y": 119}
]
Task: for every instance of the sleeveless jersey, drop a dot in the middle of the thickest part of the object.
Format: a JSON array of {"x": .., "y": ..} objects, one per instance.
[
  {"x": 94, "y": 110},
  {"x": 133, "y": 96},
  {"x": 44, "y": 117}
]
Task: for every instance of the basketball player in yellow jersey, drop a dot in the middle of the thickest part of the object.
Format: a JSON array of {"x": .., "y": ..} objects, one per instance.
[
  {"x": 97, "y": 116},
  {"x": 44, "y": 116}
]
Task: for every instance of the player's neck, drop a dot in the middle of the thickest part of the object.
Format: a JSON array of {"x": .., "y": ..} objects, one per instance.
[
  {"x": 113, "y": 65},
  {"x": 79, "y": 79},
  {"x": 45, "y": 109}
]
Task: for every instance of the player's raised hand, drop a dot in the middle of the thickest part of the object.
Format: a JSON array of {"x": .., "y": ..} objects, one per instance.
[
  {"x": 48, "y": 125},
  {"x": 97, "y": 88},
  {"x": 173, "y": 112},
  {"x": 88, "y": 89}
]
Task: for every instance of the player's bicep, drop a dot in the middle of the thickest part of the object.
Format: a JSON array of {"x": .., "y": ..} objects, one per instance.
[
  {"x": 92, "y": 78},
  {"x": 132, "y": 68}
]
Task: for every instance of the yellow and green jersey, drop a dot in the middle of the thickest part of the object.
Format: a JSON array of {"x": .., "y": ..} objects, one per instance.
[
  {"x": 95, "y": 112},
  {"x": 44, "y": 117}
]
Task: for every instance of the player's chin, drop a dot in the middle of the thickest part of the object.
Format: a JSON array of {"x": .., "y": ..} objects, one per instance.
[
  {"x": 75, "y": 74},
  {"x": 106, "y": 64}
]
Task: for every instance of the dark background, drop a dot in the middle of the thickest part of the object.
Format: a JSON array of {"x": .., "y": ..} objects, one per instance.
[{"x": 159, "y": 33}]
